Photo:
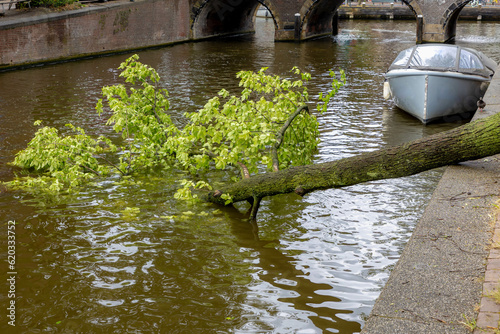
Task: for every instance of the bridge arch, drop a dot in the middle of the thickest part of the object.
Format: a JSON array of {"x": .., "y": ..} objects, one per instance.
[
  {"x": 317, "y": 17},
  {"x": 437, "y": 21},
  {"x": 213, "y": 18},
  {"x": 450, "y": 18}
]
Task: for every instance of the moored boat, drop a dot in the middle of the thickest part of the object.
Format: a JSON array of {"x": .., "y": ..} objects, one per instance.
[{"x": 438, "y": 81}]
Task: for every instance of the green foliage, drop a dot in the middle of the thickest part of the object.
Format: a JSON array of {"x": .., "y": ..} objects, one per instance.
[
  {"x": 324, "y": 98},
  {"x": 62, "y": 161},
  {"x": 186, "y": 192},
  {"x": 469, "y": 323},
  {"x": 139, "y": 114},
  {"x": 265, "y": 121},
  {"x": 130, "y": 214},
  {"x": 51, "y": 3},
  {"x": 243, "y": 129}
]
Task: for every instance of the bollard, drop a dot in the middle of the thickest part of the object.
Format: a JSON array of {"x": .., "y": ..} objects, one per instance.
[
  {"x": 297, "y": 27},
  {"x": 335, "y": 23},
  {"x": 420, "y": 29}
]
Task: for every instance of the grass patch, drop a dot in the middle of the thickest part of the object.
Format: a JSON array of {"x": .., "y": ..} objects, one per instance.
[{"x": 471, "y": 324}]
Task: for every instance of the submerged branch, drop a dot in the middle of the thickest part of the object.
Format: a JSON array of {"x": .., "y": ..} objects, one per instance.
[
  {"x": 113, "y": 165},
  {"x": 255, "y": 208}
]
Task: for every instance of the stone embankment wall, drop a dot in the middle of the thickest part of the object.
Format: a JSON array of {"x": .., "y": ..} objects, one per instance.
[{"x": 117, "y": 26}]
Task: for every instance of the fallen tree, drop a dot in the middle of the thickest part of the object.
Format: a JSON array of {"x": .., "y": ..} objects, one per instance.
[
  {"x": 267, "y": 125},
  {"x": 472, "y": 141}
]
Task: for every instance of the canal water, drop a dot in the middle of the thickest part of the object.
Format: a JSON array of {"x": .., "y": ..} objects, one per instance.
[{"x": 312, "y": 265}]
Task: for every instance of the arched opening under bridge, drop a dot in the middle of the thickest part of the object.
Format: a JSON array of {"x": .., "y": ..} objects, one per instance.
[
  {"x": 293, "y": 20},
  {"x": 216, "y": 18},
  {"x": 436, "y": 22},
  {"x": 319, "y": 18}
]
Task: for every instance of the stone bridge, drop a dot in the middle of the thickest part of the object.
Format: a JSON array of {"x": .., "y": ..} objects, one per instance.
[
  {"x": 304, "y": 19},
  {"x": 118, "y": 26}
]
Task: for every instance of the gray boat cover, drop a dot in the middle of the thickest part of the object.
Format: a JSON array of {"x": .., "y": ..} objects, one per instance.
[{"x": 445, "y": 57}]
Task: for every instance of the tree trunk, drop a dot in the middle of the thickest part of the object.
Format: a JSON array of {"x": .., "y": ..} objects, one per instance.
[{"x": 472, "y": 141}]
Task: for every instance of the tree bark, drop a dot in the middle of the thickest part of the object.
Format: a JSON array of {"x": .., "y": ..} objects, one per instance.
[{"x": 472, "y": 141}]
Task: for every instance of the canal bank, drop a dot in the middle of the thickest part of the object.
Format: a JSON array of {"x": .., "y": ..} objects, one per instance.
[{"x": 451, "y": 264}]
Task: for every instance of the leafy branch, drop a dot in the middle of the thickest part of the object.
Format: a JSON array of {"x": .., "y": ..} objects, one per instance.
[{"x": 250, "y": 130}]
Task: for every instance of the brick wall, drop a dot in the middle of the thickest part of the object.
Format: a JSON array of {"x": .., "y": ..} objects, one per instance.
[{"x": 107, "y": 27}]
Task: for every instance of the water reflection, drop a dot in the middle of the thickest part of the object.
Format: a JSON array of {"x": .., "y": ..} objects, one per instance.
[
  {"x": 280, "y": 281},
  {"x": 313, "y": 265}
]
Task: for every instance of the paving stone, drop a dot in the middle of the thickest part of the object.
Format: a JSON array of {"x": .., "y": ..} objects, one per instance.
[
  {"x": 489, "y": 305},
  {"x": 493, "y": 264},
  {"x": 490, "y": 287},
  {"x": 492, "y": 276},
  {"x": 494, "y": 253},
  {"x": 497, "y": 224},
  {"x": 496, "y": 238},
  {"x": 488, "y": 320}
]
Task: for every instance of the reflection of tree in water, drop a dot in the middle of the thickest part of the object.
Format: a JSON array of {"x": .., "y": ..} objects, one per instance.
[{"x": 280, "y": 271}]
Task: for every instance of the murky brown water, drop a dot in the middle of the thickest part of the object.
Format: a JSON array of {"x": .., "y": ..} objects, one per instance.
[{"x": 313, "y": 265}]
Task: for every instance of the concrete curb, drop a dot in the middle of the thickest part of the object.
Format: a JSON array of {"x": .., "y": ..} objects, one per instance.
[{"x": 439, "y": 283}]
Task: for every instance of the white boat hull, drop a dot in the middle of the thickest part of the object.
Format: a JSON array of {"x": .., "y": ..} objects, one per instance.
[{"x": 433, "y": 95}]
